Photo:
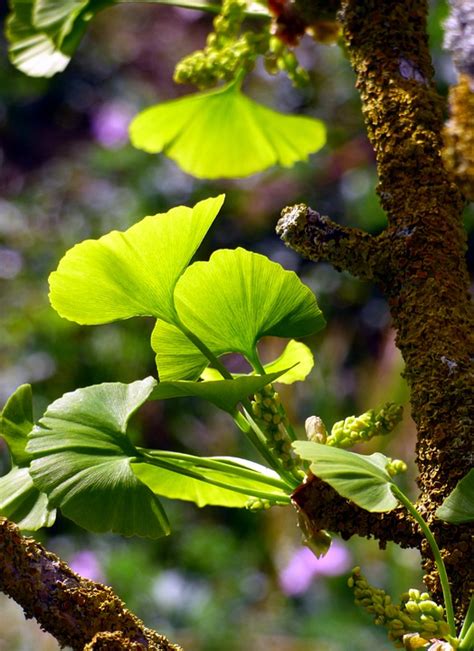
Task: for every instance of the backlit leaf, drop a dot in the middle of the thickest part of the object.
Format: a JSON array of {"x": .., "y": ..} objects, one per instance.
[
  {"x": 231, "y": 302},
  {"x": 82, "y": 460},
  {"x": 16, "y": 422},
  {"x": 223, "y": 133},
  {"x": 296, "y": 357},
  {"x": 458, "y": 507},
  {"x": 43, "y": 34},
  {"x": 225, "y": 394},
  {"x": 191, "y": 487},
  {"x": 21, "y": 502},
  {"x": 131, "y": 273},
  {"x": 359, "y": 478}
]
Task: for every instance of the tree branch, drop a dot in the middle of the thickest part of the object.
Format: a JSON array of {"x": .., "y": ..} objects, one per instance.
[
  {"x": 326, "y": 509},
  {"x": 317, "y": 237},
  {"x": 79, "y": 613}
]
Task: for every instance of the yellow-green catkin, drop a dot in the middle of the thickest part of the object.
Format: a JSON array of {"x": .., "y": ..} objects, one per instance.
[
  {"x": 270, "y": 416},
  {"x": 354, "y": 429},
  {"x": 416, "y": 614},
  {"x": 226, "y": 53},
  {"x": 229, "y": 52}
]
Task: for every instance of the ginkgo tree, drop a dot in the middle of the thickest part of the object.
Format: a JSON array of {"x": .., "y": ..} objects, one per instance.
[{"x": 79, "y": 458}]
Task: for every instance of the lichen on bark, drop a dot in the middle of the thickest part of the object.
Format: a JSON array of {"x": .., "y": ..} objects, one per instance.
[
  {"x": 78, "y": 612},
  {"x": 420, "y": 262}
]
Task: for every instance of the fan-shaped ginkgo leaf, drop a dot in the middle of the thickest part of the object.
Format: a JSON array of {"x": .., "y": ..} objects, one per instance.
[
  {"x": 223, "y": 133},
  {"x": 82, "y": 455},
  {"x": 131, "y": 273},
  {"x": 230, "y": 302}
]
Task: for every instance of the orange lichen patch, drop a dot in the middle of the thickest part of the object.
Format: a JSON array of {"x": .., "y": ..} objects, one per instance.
[
  {"x": 69, "y": 607},
  {"x": 458, "y": 153}
]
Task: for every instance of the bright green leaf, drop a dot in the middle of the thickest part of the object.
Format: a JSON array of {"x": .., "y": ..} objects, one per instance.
[
  {"x": 231, "y": 302},
  {"x": 296, "y": 357},
  {"x": 225, "y": 394},
  {"x": 21, "y": 502},
  {"x": 16, "y": 422},
  {"x": 223, "y": 133},
  {"x": 43, "y": 34},
  {"x": 131, "y": 273},
  {"x": 82, "y": 460},
  {"x": 186, "y": 480},
  {"x": 458, "y": 507},
  {"x": 177, "y": 358},
  {"x": 361, "y": 479}
]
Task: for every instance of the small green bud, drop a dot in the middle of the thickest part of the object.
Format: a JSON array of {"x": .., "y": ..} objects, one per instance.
[
  {"x": 258, "y": 504},
  {"x": 395, "y": 467}
]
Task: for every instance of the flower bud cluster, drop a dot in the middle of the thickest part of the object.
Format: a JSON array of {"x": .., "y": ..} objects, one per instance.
[
  {"x": 279, "y": 58},
  {"x": 417, "y": 613},
  {"x": 395, "y": 467},
  {"x": 272, "y": 420},
  {"x": 228, "y": 52},
  {"x": 258, "y": 504},
  {"x": 354, "y": 429}
]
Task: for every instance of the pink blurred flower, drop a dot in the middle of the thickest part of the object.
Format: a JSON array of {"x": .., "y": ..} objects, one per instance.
[
  {"x": 110, "y": 124},
  {"x": 296, "y": 577},
  {"x": 87, "y": 565}
]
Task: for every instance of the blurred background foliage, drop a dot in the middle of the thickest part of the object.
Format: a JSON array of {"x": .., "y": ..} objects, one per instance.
[{"x": 224, "y": 578}]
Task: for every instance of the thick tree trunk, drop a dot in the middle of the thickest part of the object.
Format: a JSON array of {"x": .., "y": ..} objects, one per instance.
[{"x": 419, "y": 263}]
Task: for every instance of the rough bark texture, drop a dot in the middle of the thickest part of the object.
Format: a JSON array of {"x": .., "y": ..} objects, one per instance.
[
  {"x": 418, "y": 261},
  {"x": 79, "y": 613}
]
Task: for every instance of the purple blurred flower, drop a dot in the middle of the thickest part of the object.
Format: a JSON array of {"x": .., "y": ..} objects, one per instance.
[
  {"x": 87, "y": 565},
  {"x": 296, "y": 577},
  {"x": 110, "y": 124}
]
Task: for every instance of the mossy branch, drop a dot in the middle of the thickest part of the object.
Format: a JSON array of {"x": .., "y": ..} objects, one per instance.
[
  {"x": 79, "y": 613},
  {"x": 420, "y": 266},
  {"x": 316, "y": 237}
]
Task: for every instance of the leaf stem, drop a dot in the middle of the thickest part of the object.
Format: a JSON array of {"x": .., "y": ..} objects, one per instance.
[
  {"x": 469, "y": 620},
  {"x": 467, "y": 641},
  {"x": 443, "y": 576},
  {"x": 281, "y": 498},
  {"x": 256, "y": 436},
  {"x": 205, "y": 351},
  {"x": 257, "y": 364},
  {"x": 216, "y": 464}
]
